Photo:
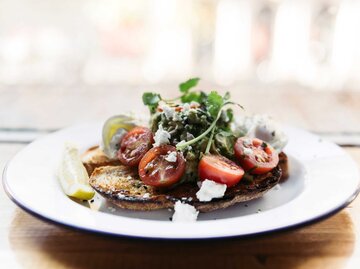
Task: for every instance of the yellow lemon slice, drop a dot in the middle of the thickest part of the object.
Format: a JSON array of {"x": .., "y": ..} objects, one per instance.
[
  {"x": 73, "y": 176},
  {"x": 113, "y": 130}
]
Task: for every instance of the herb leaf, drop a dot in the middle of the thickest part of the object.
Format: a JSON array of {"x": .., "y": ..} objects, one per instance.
[
  {"x": 192, "y": 96},
  {"x": 229, "y": 114},
  {"x": 199, "y": 97},
  {"x": 187, "y": 85},
  {"x": 214, "y": 103},
  {"x": 225, "y": 141},
  {"x": 151, "y": 100}
]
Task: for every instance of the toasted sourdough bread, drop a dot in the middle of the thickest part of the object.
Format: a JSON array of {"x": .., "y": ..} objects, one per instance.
[
  {"x": 121, "y": 185},
  {"x": 94, "y": 157}
]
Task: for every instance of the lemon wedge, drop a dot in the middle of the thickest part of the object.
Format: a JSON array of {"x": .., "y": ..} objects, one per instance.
[
  {"x": 73, "y": 176},
  {"x": 113, "y": 130}
]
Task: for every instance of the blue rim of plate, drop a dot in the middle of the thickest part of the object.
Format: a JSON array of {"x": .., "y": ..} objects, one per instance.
[{"x": 323, "y": 216}]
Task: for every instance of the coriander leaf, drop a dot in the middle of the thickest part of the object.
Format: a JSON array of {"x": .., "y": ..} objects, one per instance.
[
  {"x": 151, "y": 100},
  {"x": 224, "y": 142},
  {"x": 230, "y": 114},
  {"x": 199, "y": 97},
  {"x": 203, "y": 98},
  {"x": 187, "y": 85},
  {"x": 192, "y": 96},
  {"x": 214, "y": 103}
]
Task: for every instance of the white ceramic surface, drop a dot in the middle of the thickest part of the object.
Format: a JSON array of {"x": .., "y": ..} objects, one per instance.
[{"x": 323, "y": 179}]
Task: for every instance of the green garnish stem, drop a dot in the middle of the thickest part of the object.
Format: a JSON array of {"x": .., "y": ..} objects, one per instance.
[
  {"x": 208, "y": 130},
  {"x": 198, "y": 138},
  {"x": 207, "y": 150}
]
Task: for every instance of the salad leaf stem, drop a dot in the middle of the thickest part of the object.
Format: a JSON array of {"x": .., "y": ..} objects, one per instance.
[
  {"x": 181, "y": 146},
  {"x": 207, "y": 150}
]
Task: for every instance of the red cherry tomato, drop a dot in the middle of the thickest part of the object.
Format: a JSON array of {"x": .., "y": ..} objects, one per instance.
[
  {"x": 220, "y": 169},
  {"x": 162, "y": 166},
  {"x": 255, "y": 155},
  {"x": 134, "y": 145}
]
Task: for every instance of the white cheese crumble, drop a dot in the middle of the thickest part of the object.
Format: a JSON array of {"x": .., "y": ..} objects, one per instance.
[
  {"x": 186, "y": 107},
  {"x": 146, "y": 195},
  {"x": 209, "y": 190},
  {"x": 170, "y": 112},
  {"x": 172, "y": 157},
  {"x": 184, "y": 213},
  {"x": 161, "y": 137},
  {"x": 182, "y": 142},
  {"x": 248, "y": 151},
  {"x": 264, "y": 128}
]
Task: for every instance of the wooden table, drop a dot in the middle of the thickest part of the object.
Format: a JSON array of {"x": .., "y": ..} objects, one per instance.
[{"x": 27, "y": 242}]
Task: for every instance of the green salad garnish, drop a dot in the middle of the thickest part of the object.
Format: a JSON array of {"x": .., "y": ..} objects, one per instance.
[{"x": 199, "y": 122}]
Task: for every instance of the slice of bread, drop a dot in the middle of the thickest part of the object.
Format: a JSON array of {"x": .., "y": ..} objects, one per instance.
[
  {"x": 122, "y": 186},
  {"x": 94, "y": 157},
  {"x": 284, "y": 165}
]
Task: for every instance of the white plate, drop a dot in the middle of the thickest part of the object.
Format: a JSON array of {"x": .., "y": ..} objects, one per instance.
[{"x": 323, "y": 179}]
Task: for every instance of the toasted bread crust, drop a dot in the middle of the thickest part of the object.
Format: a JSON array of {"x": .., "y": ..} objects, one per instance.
[
  {"x": 94, "y": 157},
  {"x": 121, "y": 186},
  {"x": 284, "y": 165}
]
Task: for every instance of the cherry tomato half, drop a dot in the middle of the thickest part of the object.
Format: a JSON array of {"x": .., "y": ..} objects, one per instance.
[
  {"x": 134, "y": 145},
  {"x": 219, "y": 169},
  {"x": 162, "y": 166},
  {"x": 255, "y": 155}
]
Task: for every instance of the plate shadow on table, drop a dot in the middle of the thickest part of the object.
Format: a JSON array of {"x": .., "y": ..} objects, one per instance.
[{"x": 37, "y": 244}]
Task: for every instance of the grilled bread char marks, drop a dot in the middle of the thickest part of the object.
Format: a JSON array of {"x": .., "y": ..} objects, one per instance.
[{"x": 121, "y": 186}]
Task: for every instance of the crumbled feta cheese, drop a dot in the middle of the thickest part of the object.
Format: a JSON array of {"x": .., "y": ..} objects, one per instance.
[
  {"x": 247, "y": 142},
  {"x": 180, "y": 143},
  {"x": 177, "y": 117},
  {"x": 120, "y": 195},
  {"x": 170, "y": 112},
  {"x": 210, "y": 190},
  {"x": 248, "y": 151},
  {"x": 172, "y": 157},
  {"x": 264, "y": 128},
  {"x": 186, "y": 107},
  {"x": 184, "y": 213},
  {"x": 161, "y": 137},
  {"x": 146, "y": 195}
]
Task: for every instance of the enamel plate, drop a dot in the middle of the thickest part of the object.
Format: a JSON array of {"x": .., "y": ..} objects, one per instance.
[{"x": 323, "y": 180}]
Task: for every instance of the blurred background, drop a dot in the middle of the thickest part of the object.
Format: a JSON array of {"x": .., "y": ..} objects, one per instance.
[{"x": 65, "y": 62}]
